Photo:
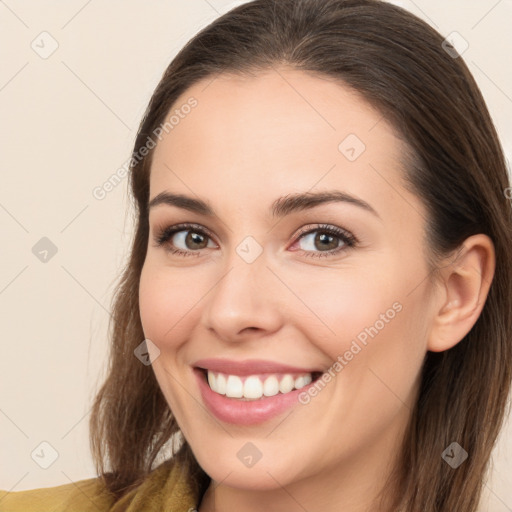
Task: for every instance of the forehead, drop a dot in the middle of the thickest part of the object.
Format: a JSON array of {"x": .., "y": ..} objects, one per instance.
[
  {"x": 273, "y": 110},
  {"x": 250, "y": 139}
]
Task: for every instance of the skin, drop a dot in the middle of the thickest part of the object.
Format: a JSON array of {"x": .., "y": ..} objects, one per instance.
[{"x": 250, "y": 141}]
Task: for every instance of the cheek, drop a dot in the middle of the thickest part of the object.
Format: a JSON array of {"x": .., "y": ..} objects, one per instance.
[
  {"x": 373, "y": 320},
  {"x": 376, "y": 347},
  {"x": 341, "y": 305},
  {"x": 167, "y": 301}
]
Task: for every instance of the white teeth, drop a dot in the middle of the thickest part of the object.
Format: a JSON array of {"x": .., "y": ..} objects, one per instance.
[
  {"x": 299, "y": 382},
  {"x": 253, "y": 387},
  {"x": 212, "y": 381},
  {"x": 234, "y": 387},
  {"x": 221, "y": 383},
  {"x": 302, "y": 381},
  {"x": 271, "y": 386},
  {"x": 286, "y": 384}
]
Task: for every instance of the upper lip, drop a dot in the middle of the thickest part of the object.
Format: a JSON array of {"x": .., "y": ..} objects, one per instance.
[{"x": 249, "y": 366}]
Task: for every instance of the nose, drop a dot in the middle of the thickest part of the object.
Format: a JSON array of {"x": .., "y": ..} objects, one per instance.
[{"x": 244, "y": 301}]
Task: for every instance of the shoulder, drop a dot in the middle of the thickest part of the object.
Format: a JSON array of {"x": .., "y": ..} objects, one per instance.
[
  {"x": 82, "y": 496},
  {"x": 166, "y": 488}
]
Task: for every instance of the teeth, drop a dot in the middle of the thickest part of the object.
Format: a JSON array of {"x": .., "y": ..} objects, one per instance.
[
  {"x": 287, "y": 383},
  {"x": 271, "y": 386},
  {"x": 212, "y": 380},
  {"x": 300, "y": 382},
  {"x": 221, "y": 383},
  {"x": 253, "y": 387},
  {"x": 234, "y": 387}
]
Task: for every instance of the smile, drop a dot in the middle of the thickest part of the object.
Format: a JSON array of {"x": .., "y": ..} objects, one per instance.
[
  {"x": 251, "y": 391},
  {"x": 253, "y": 387}
]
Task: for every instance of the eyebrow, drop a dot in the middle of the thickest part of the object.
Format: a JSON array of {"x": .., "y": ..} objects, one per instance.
[{"x": 280, "y": 207}]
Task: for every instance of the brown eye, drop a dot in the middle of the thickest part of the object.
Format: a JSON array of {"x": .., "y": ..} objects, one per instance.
[
  {"x": 319, "y": 241},
  {"x": 325, "y": 241},
  {"x": 193, "y": 240},
  {"x": 184, "y": 240}
]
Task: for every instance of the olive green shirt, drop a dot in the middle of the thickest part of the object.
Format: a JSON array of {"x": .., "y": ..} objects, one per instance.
[{"x": 164, "y": 490}]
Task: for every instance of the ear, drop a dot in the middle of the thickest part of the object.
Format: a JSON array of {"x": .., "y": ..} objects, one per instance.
[{"x": 464, "y": 287}]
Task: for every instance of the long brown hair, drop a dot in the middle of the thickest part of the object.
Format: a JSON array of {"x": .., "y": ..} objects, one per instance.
[{"x": 399, "y": 65}]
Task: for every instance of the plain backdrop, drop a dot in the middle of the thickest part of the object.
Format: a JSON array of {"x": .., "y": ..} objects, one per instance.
[{"x": 75, "y": 80}]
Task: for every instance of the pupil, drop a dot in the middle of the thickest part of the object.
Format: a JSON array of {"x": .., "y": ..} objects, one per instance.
[
  {"x": 195, "y": 238},
  {"x": 325, "y": 238}
]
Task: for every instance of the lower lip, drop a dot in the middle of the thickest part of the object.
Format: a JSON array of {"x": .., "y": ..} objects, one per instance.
[{"x": 242, "y": 412}]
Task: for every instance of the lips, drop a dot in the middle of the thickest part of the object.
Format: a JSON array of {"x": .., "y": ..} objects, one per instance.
[
  {"x": 250, "y": 367},
  {"x": 245, "y": 392}
]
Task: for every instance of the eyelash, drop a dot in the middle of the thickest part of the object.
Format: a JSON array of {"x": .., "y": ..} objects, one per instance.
[{"x": 165, "y": 234}]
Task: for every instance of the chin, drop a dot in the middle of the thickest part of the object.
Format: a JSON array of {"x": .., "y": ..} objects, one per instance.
[{"x": 262, "y": 476}]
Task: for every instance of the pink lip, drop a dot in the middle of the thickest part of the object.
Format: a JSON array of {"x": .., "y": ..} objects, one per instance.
[
  {"x": 249, "y": 367},
  {"x": 240, "y": 412}
]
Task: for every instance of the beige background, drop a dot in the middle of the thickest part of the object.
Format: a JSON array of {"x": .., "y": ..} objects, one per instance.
[{"x": 68, "y": 123}]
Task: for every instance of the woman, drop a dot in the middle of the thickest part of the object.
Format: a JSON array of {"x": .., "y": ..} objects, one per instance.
[{"x": 319, "y": 274}]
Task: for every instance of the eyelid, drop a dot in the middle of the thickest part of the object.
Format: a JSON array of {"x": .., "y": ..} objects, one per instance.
[{"x": 182, "y": 226}]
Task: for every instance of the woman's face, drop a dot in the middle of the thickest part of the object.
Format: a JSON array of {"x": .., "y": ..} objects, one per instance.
[{"x": 301, "y": 286}]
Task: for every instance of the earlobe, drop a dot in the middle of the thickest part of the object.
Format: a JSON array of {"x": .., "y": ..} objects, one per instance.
[{"x": 465, "y": 286}]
